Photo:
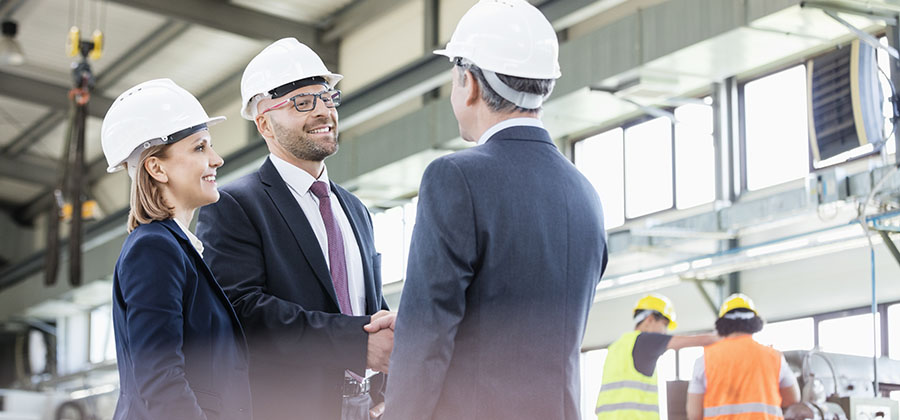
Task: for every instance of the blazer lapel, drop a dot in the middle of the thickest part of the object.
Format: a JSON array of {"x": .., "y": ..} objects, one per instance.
[
  {"x": 296, "y": 221},
  {"x": 355, "y": 223},
  {"x": 210, "y": 279}
]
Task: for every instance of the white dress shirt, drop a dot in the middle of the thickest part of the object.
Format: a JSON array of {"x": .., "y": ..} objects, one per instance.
[
  {"x": 195, "y": 241},
  {"x": 299, "y": 181},
  {"x": 526, "y": 121}
]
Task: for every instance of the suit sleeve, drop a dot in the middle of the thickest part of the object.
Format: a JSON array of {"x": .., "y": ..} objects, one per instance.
[
  {"x": 234, "y": 252},
  {"x": 152, "y": 277},
  {"x": 442, "y": 264}
]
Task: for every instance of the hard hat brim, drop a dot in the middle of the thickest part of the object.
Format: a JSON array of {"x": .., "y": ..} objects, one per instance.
[{"x": 121, "y": 165}]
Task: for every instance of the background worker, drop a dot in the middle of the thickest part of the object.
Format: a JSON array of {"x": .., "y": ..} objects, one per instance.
[
  {"x": 629, "y": 387},
  {"x": 738, "y": 378}
]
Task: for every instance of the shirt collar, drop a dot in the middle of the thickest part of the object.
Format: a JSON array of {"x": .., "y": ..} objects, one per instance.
[
  {"x": 297, "y": 179},
  {"x": 195, "y": 241},
  {"x": 526, "y": 121}
]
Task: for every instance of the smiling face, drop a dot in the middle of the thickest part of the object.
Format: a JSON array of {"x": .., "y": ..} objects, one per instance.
[
  {"x": 190, "y": 167},
  {"x": 307, "y": 136}
]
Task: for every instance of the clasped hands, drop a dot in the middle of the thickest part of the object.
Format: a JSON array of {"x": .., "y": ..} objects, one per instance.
[{"x": 381, "y": 340}]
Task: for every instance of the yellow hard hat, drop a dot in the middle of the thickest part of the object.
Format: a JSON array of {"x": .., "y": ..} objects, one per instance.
[
  {"x": 737, "y": 301},
  {"x": 658, "y": 303}
]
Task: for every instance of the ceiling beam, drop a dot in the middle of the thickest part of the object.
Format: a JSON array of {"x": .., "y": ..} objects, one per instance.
[
  {"x": 31, "y": 169},
  {"x": 221, "y": 15},
  {"x": 357, "y": 14},
  {"x": 48, "y": 94}
]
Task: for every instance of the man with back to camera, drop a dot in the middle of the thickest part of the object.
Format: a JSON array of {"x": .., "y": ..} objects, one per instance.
[
  {"x": 508, "y": 245},
  {"x": 629, "y": 385},
  {"x": 295, "y": 252}
]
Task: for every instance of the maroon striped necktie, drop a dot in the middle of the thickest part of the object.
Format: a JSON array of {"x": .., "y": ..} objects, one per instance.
[{"x": 337, "y": 261}]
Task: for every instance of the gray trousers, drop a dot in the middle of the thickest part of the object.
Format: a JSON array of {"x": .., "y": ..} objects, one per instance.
[{"x": 356, "y": 408}]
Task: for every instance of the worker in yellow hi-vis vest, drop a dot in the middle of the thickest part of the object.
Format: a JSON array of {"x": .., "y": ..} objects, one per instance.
[{"x": 629, "y": 387}]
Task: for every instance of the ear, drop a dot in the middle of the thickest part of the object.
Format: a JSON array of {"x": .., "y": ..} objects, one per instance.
[
  {"x": 472, "y": 88},
  {"x": 263, "y": 126},
  {"x": 155, "y": 167}
]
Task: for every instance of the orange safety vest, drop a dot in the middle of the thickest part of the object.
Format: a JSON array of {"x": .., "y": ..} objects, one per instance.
[{"x": 742, "y": 381}]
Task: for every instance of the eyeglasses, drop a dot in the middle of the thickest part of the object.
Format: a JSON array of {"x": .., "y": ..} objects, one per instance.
[{"x": 306, "y": 102}]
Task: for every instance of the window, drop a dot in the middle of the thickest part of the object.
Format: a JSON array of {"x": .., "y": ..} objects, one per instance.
[
  {"x": 648, "y": 167},
  {"x": 591, "y": 378},
  {"x": 102, "y": 344},
  {"x": 599, "y": 158},
  {"x": 686, "y": 359},
  {"x": 665, "y": 371},
  {"x": 777, "y": 142},
  {"x": 850, "y": 335},
  {"x": 695, "y": 159},
  {"x": 796, "y": 334},
  {"x": 893, "y": 322},
  {"x": 393, "y": 233}
]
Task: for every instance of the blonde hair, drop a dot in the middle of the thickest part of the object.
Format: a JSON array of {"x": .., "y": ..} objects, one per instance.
[{"x": 147, "y": 202}]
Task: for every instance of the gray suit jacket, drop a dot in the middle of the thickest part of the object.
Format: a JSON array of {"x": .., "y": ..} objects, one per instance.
[{"x": 507, "y": 251}]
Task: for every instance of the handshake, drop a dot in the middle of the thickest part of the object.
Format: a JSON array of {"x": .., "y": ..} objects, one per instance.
[{"x": 381, "y": 340}]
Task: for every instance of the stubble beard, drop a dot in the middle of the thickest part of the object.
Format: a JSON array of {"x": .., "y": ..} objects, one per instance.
[{"x": 299, "y": 143}]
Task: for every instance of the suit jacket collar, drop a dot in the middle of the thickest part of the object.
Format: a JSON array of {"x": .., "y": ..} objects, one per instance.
[
  {"x": 523, "y": 133},
  {"x": 176, "y": 230},
  {"x": 293, "y": 216}
]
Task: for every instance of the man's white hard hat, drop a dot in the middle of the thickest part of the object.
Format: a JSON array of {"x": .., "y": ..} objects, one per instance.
[{"x": 281, "y": 63}]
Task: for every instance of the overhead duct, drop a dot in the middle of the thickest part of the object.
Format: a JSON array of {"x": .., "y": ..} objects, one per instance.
[{"x": 844, "y": 99}]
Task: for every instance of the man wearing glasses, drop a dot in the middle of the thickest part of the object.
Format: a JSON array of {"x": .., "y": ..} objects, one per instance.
[{"x": 295, "y": 252}]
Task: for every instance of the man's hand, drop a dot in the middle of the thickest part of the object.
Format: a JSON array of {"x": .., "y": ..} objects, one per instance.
[
  {"x": 376, "y": 411},
  {"x": 381, "y": 320},
  {"x": 378, "y": 352}
]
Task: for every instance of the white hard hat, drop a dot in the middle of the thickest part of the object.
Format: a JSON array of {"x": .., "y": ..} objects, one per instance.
[
  {"x": 509, "y": 37},
  {"x": 154, "y": 112},
  {"x": 281, "y": 63}
]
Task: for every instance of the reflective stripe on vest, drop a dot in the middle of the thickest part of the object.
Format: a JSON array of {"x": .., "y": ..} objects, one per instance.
[
  {"x": 630, "y": 384},
  {"x": 625, "y": 393},
  {"x": 723, "y": 410},
  {"x": 627, "y": 406}
]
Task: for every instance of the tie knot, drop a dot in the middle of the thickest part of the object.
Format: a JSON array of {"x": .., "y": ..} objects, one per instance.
[{"x": 320, "y": 189}]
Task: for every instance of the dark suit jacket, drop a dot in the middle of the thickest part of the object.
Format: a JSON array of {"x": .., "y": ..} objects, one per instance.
[
  {"x": 506, "y": 253},
  {"x": 267, "y": 258},
  {"x": 179, "y": 345}
]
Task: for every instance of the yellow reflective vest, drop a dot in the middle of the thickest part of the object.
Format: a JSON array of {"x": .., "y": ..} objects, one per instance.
[{"x": 626, "y": 393}]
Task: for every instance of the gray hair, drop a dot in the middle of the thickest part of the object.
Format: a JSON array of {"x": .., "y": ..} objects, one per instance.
[{"x": 496, "y": 102}]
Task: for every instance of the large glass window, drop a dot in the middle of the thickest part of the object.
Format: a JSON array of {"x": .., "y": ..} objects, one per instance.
[
  {"x": 695, "y": 160},
  {"x": 777, "y": 142},
  {"x": 102, "y": 344},
  {"x": 850, "y": 335},
  {"x": 591, "y": 378},
  {"x": 686, "y": 359},
  {"x": 648, "y": 167},
  {"x": 796, "y": 334},
  {"x": 600, "y": 159},
  {"x": 393, "y": 233},
  {"x": 893, "y": 322},
  {"x": 665, "y": 371}
]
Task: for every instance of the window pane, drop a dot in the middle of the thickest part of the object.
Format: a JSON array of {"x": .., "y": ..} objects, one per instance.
[
  {"x": 850, "y": 335},
  {"x": 894, "y": 331},
  {"x": 648, "y": 167},
  {"x": 796, "y": 334},
  {"x": 102, "y": 344},
  {"x": 695, "y": 165},
  {"x": 591, "y": 378},
  {"x": 686, "y": 359},
  {"x": 665, "y": 371},
  {"x": 389, "y": 235},
  {"x": 776, "y": 128},
  {"x": 599, "y": 158}
]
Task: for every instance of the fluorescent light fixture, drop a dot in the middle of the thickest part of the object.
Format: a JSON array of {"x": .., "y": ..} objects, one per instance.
[
  {"x": 702, "y": 262},
  {"x": 777, "y": 247},
  {"x": 680, "y": 268},
  {"x": 640, "y": 276}
]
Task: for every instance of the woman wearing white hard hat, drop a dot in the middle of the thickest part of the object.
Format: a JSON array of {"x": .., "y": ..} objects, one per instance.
[{"x": 180, "y": 348}]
